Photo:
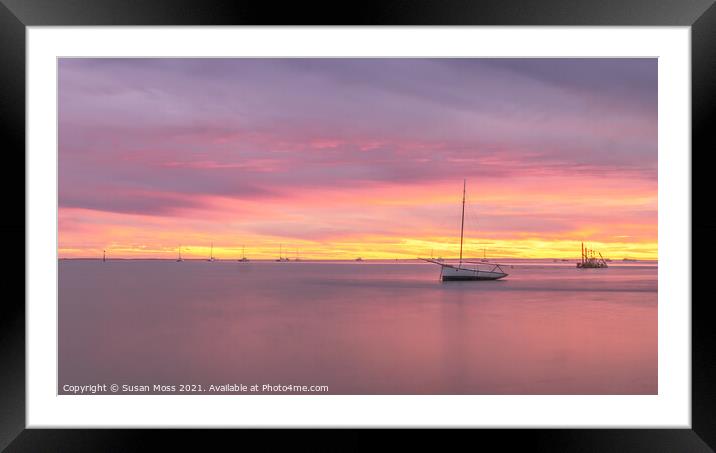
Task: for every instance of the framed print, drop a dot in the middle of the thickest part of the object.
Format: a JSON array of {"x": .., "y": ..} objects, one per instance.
[{"x": 248, "y": 219}]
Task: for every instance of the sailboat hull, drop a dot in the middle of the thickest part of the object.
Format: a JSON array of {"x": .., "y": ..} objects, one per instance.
[{"x": 450, "y": 273}]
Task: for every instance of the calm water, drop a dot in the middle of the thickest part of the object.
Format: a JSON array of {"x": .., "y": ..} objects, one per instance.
[{"x": 359, "y": 328}]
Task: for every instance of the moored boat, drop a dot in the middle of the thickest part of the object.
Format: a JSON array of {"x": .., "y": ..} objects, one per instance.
[
  {"x": 466, "y": 270},
  {"x": 243, "y": 258},
  {"x": 590, "y": 260}
]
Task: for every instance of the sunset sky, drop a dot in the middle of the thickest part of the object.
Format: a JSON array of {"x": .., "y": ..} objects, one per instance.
[{"x": 341, "y": 158}]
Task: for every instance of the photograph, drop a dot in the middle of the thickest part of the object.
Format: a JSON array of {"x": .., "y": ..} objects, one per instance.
[
  {"x": 473, "y": 216},
  {"x": 357, "y": 226}
]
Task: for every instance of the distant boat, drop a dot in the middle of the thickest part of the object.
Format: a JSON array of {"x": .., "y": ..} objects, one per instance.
[
  {"x": 104, "y": 255},
  {"x": 243, "y": 255},
  {"x": 179, "y": 259},
  {"x": 628, "y": 259},
  {"x": 281, "y": 258},
  {"x": 359, "y": 259},
  {"x": 484, "y": 256},
  {"x": 450, "y": 272},
  {"x": 590, "y": 260},
  {"x": 211, "y": 254}
]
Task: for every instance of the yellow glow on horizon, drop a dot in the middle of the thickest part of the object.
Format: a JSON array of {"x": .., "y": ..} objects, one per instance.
[
  {"x": 386, "y": 248},
  {"x": 524, "y": 219}
]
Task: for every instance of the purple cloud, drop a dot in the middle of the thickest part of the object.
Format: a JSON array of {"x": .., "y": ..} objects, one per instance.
[{"x": 249, "y": 128}]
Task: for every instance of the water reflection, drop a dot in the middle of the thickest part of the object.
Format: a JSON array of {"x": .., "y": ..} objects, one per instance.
[{"x": 360, "y": 328}]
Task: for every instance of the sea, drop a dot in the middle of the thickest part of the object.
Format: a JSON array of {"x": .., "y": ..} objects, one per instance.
[{"x": 348, "y": 327}]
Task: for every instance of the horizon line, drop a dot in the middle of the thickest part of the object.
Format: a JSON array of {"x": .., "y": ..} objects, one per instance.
[{"x": 344, "y": 259}]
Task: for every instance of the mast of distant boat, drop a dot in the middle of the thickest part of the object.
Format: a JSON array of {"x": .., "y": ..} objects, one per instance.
[
  {"x": 104, "y": 255},
  {"x": 462, "y": 223}
]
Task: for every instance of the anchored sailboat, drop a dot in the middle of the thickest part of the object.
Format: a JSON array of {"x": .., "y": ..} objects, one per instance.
[
  {"x": 281, "y": 258},
  {"x": 590, "y": 260},
  {"x": 211, "y": 255},
  {"x": 243, "y": 255},
  {"x": 179, "y": 260},
  {"x": 484, "y": 256},
  {"x": 451, "y": 272}
]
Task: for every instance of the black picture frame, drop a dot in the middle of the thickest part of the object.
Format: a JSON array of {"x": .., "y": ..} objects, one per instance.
[{"x": 16, "y": 15}]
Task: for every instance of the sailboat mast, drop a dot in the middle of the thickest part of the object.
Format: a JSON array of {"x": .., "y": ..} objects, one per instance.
[
  {"x": 462, "y": 222},
  {"x": 211, "y": 253}
]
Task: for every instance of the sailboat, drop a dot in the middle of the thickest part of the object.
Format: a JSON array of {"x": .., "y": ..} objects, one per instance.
[
  {"x": 484, "y": 256},
  {"x": 280, "y": 254},
  {"x": 590, "y": 260},
  {"x": 179, "y": 260},
  {"x": 451, "y": 272},
  {"x": 243, "y": 255},
  {"x": 211, "y": 255}
]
